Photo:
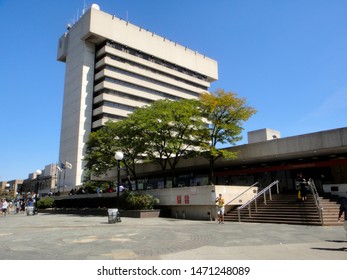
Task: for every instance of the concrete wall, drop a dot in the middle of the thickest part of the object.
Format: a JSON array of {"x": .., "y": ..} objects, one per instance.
[
  {"x": 336, "y": 189},
  {"x": 199, "y": 202},
  {"x": 262, "y": 135},
  {"x": 307, "y": 144},
  {"x": 78, "y": 100}
]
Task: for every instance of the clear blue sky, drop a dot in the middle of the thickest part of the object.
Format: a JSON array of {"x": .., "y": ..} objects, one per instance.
[{"x": 287, "y": 58}]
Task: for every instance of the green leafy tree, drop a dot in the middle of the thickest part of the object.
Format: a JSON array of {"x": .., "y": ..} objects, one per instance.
[
  {"x": 100, "y": 149},
  {"x": 114, "y": 136},
  {"x": 166, "y": 131},
  {"x": 171, "y": 130},
  {"x": 225, "y": 113},
  {"x": 130, "y": 140}
]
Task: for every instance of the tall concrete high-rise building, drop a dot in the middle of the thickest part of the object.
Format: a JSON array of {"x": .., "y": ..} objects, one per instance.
[{"x": 113, "y": 67}]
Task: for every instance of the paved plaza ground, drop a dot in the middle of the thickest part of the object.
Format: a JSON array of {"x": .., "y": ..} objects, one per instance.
[{"x": 74, "y": 237}]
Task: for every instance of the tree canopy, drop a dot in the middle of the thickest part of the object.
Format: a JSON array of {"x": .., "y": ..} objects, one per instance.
[
  {"x": 163, "y": 132},
  {"x": 166, "y": 131},
  {"x": 171, "y": 130},
  {"x": 225, "y": 113}
]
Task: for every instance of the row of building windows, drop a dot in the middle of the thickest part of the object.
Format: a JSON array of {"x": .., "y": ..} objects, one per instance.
[
  {"x": 122, "y": 95},
  {"x": 140, "y": 88},
  {"x": 152, "y": 81},
  {"x": 155, "y": 71},
  {"x": 106, "y": 116},
  {"x": 133, "y": 86},
  {"x": 151, "y": 58},
  {"x": 114, "y": 105}
]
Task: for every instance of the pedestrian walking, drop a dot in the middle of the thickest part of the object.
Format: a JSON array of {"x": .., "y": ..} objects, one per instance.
[
  {"x": 301, "y": 185},
  {"x": 220, "y": 208},
  {"x": 17, "y": 206},
  {"x": 4, "y": 207},
  {"x": 22, "y": 206}
]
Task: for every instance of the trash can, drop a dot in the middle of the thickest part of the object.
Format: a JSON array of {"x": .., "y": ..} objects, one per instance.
[
  {"x": 113, "y": 216},
  {"x": 30, "y": 210}
]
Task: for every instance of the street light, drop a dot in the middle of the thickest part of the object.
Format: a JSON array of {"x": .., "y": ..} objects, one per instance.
[
  {"x": 38, "y": 173},
  {"x": 118, "y": 156},
  {"x": 7, "y": 187}
]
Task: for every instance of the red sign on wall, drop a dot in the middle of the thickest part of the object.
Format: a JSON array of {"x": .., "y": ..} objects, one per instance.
[
  {"x": 186, "y": 199},
  {"x": 179, "y": 199}
]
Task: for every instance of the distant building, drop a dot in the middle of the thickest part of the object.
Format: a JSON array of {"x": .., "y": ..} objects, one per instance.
[
  {"x": 45, "y": 183},
  {"x": 10, "y": 186},
  {"x": 114, "y": 67}
]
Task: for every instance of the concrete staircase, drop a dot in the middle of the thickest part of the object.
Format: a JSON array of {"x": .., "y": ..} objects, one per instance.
[
  {"x": 287, "y": 209},
  {"x": 330, "y": 212}
]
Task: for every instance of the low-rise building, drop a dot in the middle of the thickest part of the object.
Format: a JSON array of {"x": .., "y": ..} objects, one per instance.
[{"x": 321, "y": 156}]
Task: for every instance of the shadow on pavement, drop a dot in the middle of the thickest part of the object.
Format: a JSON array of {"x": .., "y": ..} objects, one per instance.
[{"x": 332, "y": 249}]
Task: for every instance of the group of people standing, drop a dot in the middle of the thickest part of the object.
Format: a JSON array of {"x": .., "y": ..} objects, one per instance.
[{"x": 16, "y": 205}]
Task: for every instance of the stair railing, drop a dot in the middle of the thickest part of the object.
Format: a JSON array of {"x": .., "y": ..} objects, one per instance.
[
  {"x": 254, "y": 199},
  {"x": 236, "y": 197},
  {"x": 316, "y": 199}
]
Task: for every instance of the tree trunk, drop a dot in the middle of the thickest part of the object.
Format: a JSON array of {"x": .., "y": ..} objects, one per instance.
[{"x": 211, "y": 176}]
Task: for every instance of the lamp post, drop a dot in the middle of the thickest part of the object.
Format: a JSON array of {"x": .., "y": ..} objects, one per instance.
[
  {"x": 38, "y": 173},
  {"x": 118, "y": 156}
]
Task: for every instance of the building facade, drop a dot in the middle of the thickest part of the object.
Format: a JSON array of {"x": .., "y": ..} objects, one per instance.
[
  {"x": 321, "y": 156},
  {"x": 10, "y": 187},
  {"x": 43, "y": 184},
  {"x": 114, "y": 67}
]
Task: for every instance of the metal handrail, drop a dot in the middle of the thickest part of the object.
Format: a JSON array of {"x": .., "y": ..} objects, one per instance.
[
  {"x": 254, "y": 199},
  {"x": 242, "y": 193},
  {"x": 316, "y": 198}
]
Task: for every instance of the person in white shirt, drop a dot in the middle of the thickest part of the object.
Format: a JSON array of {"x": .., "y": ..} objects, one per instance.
[{"x": 4, "y": 207}]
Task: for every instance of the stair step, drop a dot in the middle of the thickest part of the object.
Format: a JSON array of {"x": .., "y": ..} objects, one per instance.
[
  {"x": 286, "y": 208},
  {"x": 293, "y": 222}
]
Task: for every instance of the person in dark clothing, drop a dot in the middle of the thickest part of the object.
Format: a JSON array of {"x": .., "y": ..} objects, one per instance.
[
  {"x": 304, "y": 190},
  {"x": 22, "y": 206},
  {"x": 302, "y": 186},
  {"x": 343, "y": 209}
]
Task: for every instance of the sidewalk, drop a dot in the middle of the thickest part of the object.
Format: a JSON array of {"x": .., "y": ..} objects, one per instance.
[{"x": 73, "y": 237}]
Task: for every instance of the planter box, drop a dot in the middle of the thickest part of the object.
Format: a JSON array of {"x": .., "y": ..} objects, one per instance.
[
  {"x": 103, "y": 212},
  {"x": 140, "y": 213}
]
